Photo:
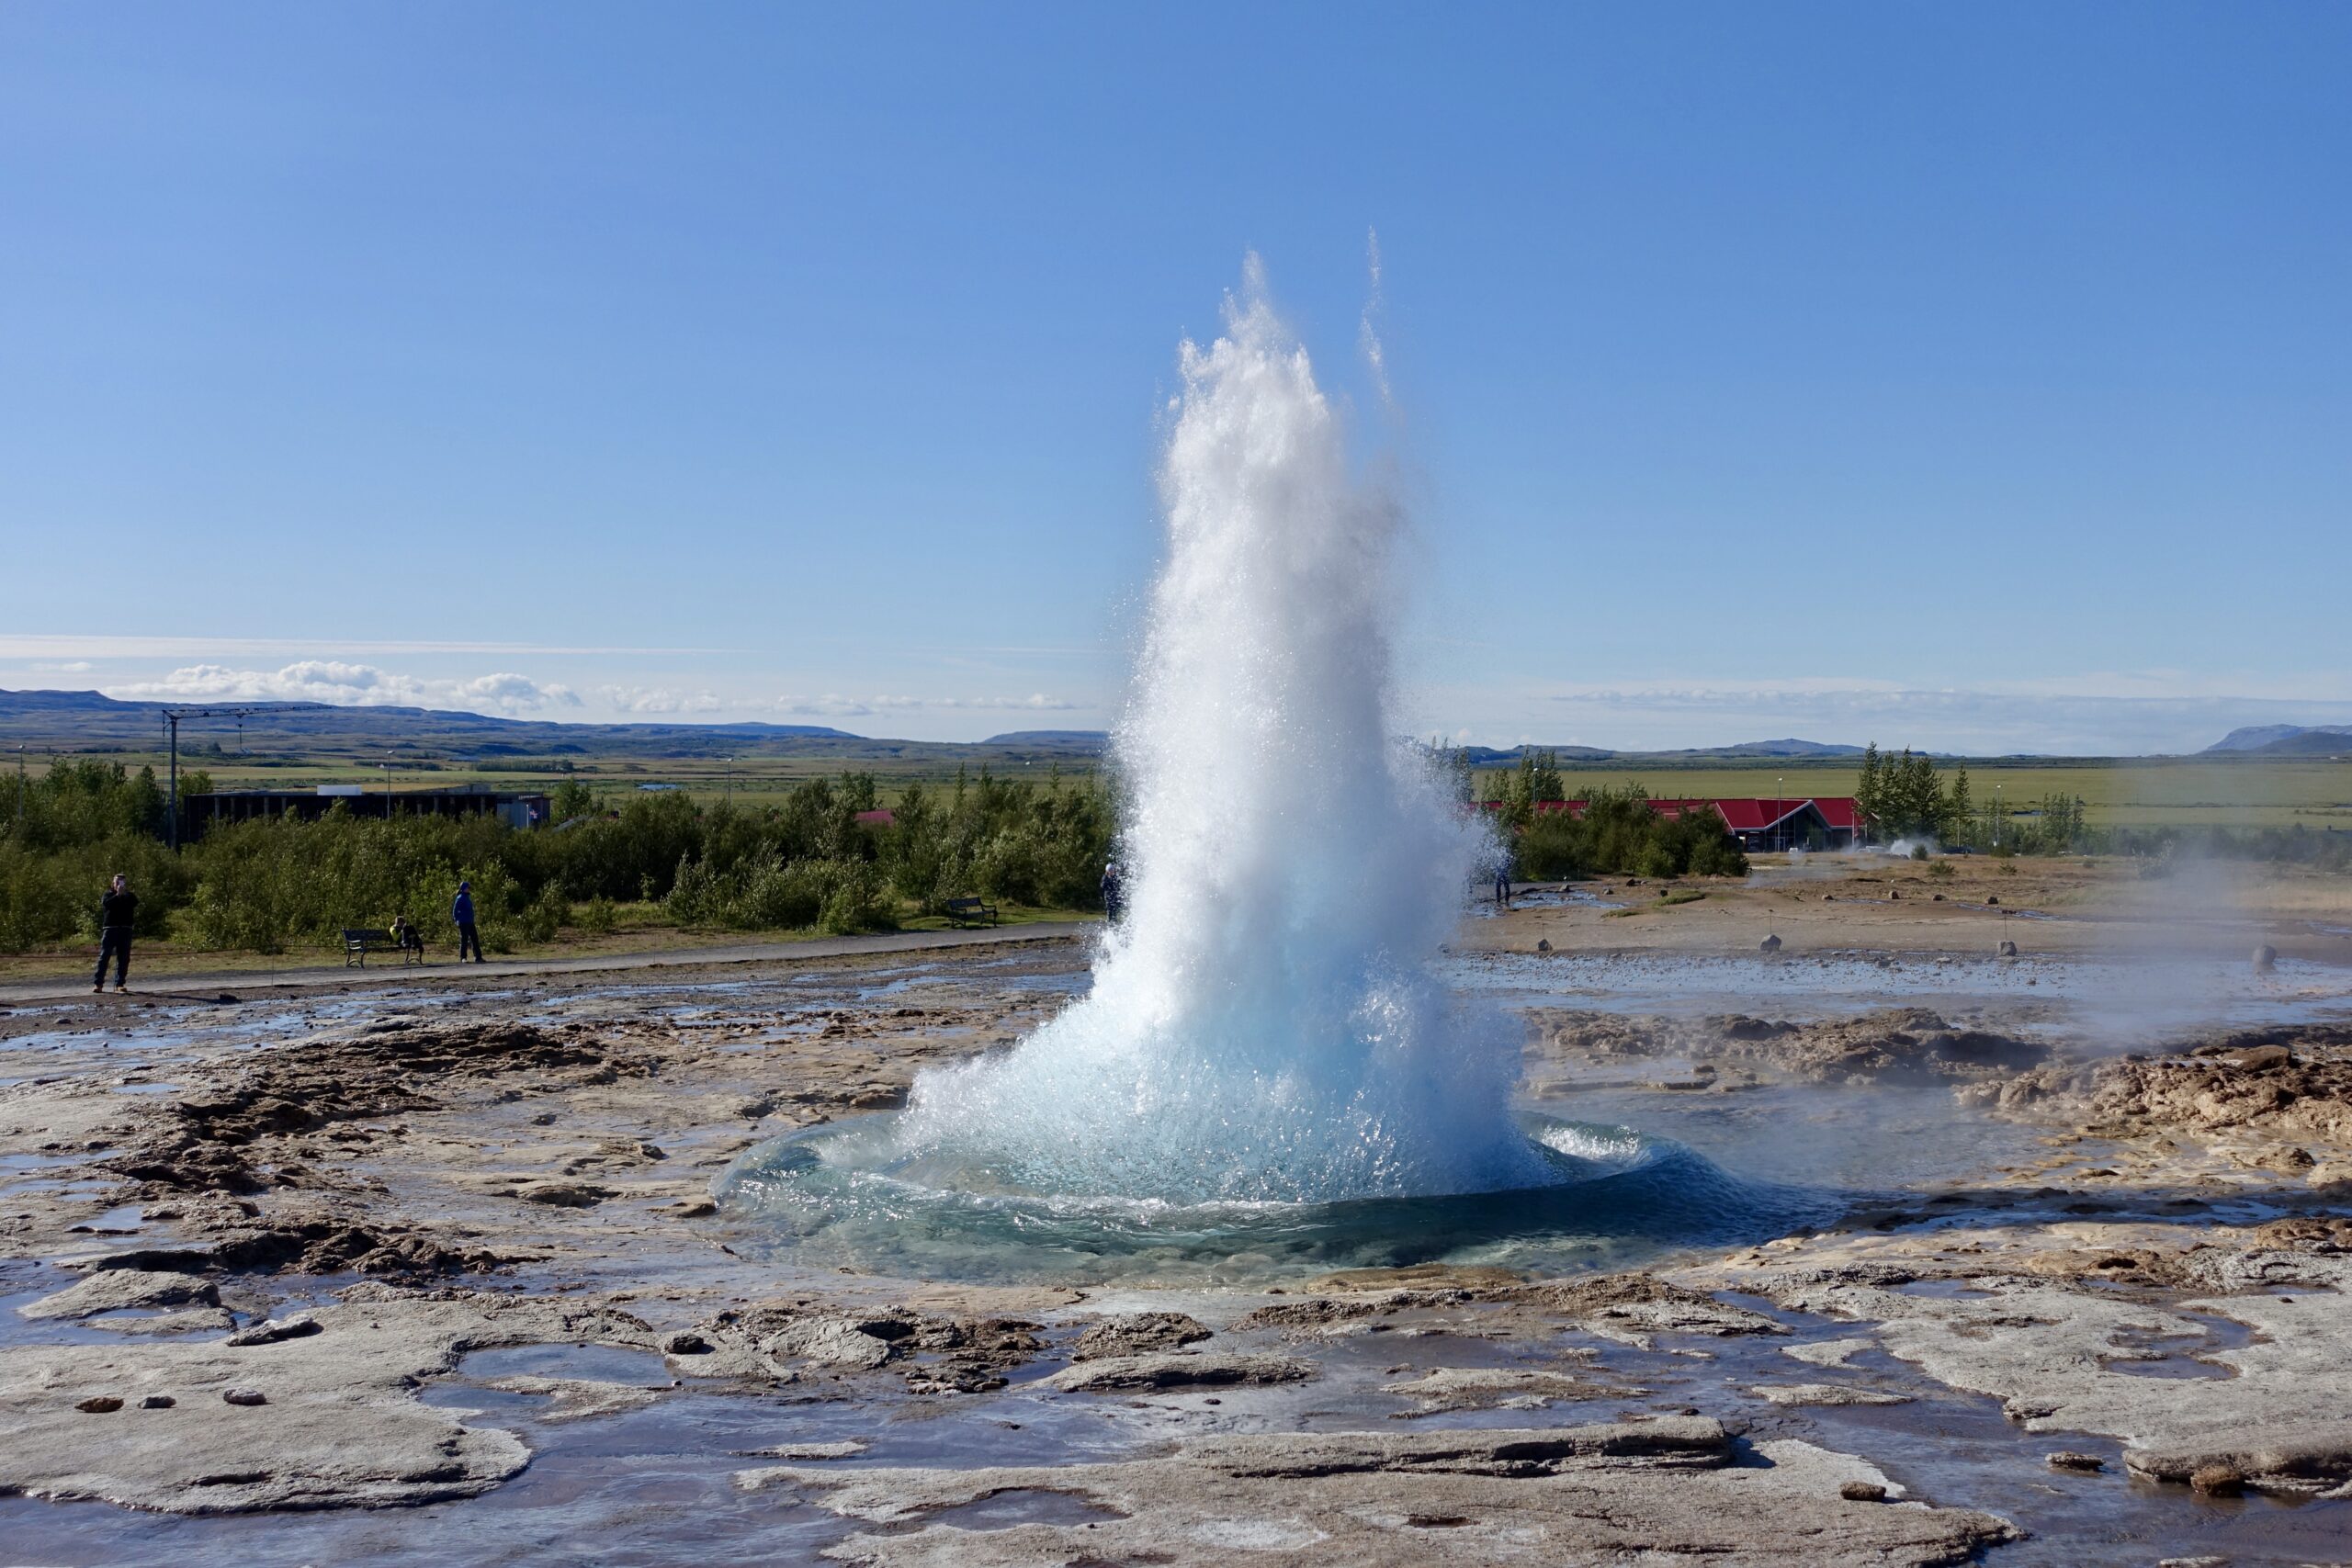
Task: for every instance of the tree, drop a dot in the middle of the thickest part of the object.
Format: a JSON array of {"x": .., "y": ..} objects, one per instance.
[
  {"x": 1868, "y": 789},
  {"x": 572, "y": 798},
  {"x": 1957, "y": 806}
]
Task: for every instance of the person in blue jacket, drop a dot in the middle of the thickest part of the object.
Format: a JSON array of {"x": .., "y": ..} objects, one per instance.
[{"x": 462, "y": 912}]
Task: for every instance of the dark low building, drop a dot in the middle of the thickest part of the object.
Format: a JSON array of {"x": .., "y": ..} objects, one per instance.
[{"x": 514, "y": 807}]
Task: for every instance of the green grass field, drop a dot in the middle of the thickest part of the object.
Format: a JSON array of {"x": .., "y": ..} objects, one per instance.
[
  {"x": 707, "y": 780},
  {"x": 2128, "y": 793},
  {"x": 2123, "y": 792}
]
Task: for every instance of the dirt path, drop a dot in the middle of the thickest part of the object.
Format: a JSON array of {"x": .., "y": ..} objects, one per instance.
[{"x": 174, "y": 986}]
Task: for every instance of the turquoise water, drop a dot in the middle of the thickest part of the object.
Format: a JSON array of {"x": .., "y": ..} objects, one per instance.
[{"x": 843, "y": 1194}]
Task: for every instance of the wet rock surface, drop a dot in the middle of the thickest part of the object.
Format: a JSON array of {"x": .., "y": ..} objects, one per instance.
[
  {"x": 1665, "y": 1490},
  {"x": 1893, "y": 1045},
  {"x": 1139, "y": 1333},
  {"x": 320, "y": 1420},
  {"x": 2159, "y": 1295},
  {"x": 1179, "y": 1369}
]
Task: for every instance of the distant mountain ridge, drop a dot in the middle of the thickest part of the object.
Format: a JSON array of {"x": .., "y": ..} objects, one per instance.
[
  {"x": 92, "y": 721},
  {"x": 2284, "y": 741},
  {"x": 83, "y": 720},
  {"x": 1488, "y": 756}
]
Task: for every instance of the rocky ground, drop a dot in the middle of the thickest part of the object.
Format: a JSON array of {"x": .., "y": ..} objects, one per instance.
[{"x": 289, "y": 1260}]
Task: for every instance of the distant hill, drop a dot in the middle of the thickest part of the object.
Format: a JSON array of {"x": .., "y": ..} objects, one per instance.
[
  {"x": 1096, "y": 738},
  {"x": 1488, "y": 757},
  {"x": 273, "y": 735},
  {"x": 2285, "y": 740},
  {"x": 1777, "y": 749},
  {"x": 80, "y": 721}
]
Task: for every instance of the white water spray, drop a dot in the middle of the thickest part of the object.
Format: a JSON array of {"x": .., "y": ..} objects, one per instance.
[{"x": 1263, "y": 1026}]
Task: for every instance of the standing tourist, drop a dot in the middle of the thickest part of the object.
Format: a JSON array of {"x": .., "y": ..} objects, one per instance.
[
  {"x": 116, "y": 909},
  {"x": 462, "y": 912}
]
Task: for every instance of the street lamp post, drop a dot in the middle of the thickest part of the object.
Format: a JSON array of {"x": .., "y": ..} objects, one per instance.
[
  {"x": 1996, "y": 822},
  {"x": 172, "y": 718},
  {"x": 728, "y": 797},
  {"x": 1779, "y": 809}
]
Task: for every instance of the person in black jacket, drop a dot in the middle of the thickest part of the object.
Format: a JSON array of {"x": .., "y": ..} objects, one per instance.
[{"x": 115, "y": 912}]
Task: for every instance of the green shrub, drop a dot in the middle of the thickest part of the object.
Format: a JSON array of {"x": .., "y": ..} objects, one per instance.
[
  {"x": 1620, "y": 831},
  {"x": 40, "y": 903},
  {"x": 272, "y": 884},
  {"x": 547, "y": 914}
]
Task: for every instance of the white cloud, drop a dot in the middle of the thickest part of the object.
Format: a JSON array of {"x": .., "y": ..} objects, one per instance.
[
  {"x": 352, "y": 685},
  {"x": 63, "y": 666},
  {"x": 657, "y": 699}
]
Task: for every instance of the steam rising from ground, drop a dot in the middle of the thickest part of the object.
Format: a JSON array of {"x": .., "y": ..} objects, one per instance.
[{"x": 1262, "y": 1027}]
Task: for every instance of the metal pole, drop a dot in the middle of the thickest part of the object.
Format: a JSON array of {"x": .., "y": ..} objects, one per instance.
[
  {"x": 728, "y": 797},
  {"x": 171, "y": 822}
]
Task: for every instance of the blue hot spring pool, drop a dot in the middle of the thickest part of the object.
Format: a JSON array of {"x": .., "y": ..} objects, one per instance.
[{"x": 845, "y": 1194}]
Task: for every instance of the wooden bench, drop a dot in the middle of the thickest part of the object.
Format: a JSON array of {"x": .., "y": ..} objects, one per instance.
[
  {"x": 359, "y": 944},
  {"x": 969, "y": 912}
]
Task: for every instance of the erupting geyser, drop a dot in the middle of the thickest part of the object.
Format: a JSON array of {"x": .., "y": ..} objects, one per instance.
[
  {"x": 1266, "y": 1073},
  {"x": 1261, "y": 1027}
]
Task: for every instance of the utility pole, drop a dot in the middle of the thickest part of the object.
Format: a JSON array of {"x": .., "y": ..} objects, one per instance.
[
  {"x": 21, "y": 788},
  {"x": 172, "y": 718},
  {"x": 728, "y": 797},
  {"x": 1779, "y": 809}
]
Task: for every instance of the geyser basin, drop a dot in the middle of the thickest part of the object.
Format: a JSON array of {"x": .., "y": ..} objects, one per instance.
[{"x": 855, "y": 1193}]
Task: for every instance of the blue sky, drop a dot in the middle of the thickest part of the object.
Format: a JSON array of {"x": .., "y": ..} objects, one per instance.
[{"x": 1974, "y": 377}]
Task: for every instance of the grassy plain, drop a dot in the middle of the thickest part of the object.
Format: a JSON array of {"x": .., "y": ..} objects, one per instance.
[
  {"x": 2120, "y": 792},
  {"x": 705, "y": 779}
]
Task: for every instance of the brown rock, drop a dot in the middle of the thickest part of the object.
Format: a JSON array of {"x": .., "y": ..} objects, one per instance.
[
  {"x": 297, "y": 1325},
  {"x": 2217, "y": 1480},
  {"x": 99, "y": 1405},
  {"x": 1137, "y": 1334}
]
